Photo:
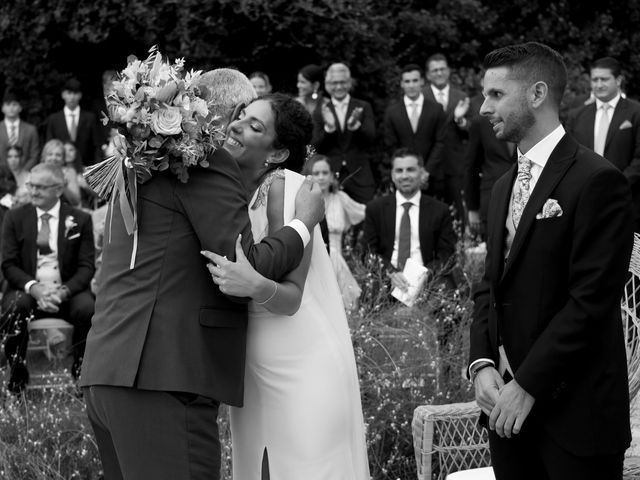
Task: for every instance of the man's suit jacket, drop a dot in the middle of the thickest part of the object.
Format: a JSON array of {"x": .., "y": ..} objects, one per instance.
[
  {"x": 88, "y": 138},
  {"x": 555, "y": 302},
  {"x": 622, "y": 146},
  {"x": 164, "y": 325},
  {"x": 428, "y": 139},
  {"x": 435, "y": 229},
  {"x": 455, "y": 138},
  {"x": 27, "y": 140},
  {"x": 349, "y": 151},
  {"x": 76, "y": 255},
  {"x": 487, "y": 160}
]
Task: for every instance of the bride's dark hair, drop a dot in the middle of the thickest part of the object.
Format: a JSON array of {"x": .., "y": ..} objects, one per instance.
[{"x": 293, "y": 128}]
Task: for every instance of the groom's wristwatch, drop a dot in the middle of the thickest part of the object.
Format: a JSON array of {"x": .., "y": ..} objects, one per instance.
[{"x": 475, "y": 369}]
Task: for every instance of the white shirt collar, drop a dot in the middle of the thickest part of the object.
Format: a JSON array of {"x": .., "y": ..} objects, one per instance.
[
  {"x": 344, "y": 101},
  {"x": 16, "y": 122},
  {"x": 53, "y": 211},
  {"x": 613, "y": 102},
  {"x": 408, "y": 102},
  {"x": 415, "y": 200},
  {"x": 436, "y": 90},
  {"x": 541, "y": 151},
  {"x": 68, "y": 111}
]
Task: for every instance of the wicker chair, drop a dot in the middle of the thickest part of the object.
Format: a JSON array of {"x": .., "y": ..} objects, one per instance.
[{"x": 447, "y": 438}]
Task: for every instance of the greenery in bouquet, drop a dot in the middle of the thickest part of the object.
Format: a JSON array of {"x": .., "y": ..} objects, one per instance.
[{"x": 163, "y": 121}]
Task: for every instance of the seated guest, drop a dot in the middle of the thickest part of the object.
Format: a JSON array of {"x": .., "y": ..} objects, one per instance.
[
  {"x": 261, "y": 83},
  {"x": 48, "y": 262},
  {"x": 16, "y": 165},
  {"x": 408, "y": 224},
  {"x": 54, "y": 153}
]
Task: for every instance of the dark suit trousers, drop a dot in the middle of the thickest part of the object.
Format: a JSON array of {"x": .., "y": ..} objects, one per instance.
[
  {"x": 143, "y": 434},
  {"x": 17, "y": 307},
  {"x": 533, "y": 455}
]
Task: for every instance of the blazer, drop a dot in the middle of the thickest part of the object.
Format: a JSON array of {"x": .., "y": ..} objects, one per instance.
[
  {"x": 554, "y": 302},
  {"x": 455, "y": 137},
  {"x": 88, "y": 138},
  {"x": 428, "y": 139},
  {"x": 349, "y": 152},
  {"x": 622, "y": 146},
  {"x": 164, "y": 320},
  {"x": 435, "y": 229},
  {"x": 76, "y": 255},
  {"x": 487, "y": 160},
  {"x": 27, "y": 140}
]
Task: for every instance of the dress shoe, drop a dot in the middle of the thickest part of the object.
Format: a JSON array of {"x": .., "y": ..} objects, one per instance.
[{"x": 18, "y": 379}]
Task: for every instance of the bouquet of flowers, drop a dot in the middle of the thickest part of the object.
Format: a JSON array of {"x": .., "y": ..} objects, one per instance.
[{"x": 163, "y": 123}]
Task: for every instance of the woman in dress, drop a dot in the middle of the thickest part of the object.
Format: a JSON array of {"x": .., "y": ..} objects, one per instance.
[
  {"x": 302, "y": 415},
  {"x": 309, "y": 87},
  {"x": 341, "y": 211}
]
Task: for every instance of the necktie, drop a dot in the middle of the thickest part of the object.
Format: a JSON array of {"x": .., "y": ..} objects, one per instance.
[
  {"x": 342, "y": 113},
  {"x": 441, "y": 101},
  {"x": 404, "y": 238},
  {"x": 43, "y": 235},
  {"x": 13, "y": 134},
  {"x": 521, "y": 189},
  {"x": 603, "y": 128},
  {"x": 414, "y": 116},
  {"x": 73, "y": 131}
]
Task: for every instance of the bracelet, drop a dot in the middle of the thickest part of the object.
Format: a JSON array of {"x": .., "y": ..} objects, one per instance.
[
  {"x": 272, "y": 295},
  {"x": 477, "y": 368}
]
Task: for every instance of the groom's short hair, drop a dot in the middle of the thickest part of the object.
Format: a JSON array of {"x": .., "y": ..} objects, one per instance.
[
  {"x": 226, "y": 88},
  {"x": 532, "y": 62}
]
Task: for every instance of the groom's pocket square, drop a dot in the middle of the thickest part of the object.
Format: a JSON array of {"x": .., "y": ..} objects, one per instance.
[
  {"x": 73, "y": 236},
  {"x": 624, "y": 125},
  {"x": 551, "y": 209}
]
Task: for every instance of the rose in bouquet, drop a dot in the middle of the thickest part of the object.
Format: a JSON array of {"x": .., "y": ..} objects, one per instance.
[{"x": 163, "y": 122}]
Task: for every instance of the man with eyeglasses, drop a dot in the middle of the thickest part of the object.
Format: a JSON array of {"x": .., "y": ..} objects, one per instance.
[
  {"x": 48, "y": 261},
  {"x": 344, "y": 130}
]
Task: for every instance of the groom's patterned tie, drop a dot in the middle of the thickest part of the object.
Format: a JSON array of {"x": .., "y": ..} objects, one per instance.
[{"x": 521, "y": 190}]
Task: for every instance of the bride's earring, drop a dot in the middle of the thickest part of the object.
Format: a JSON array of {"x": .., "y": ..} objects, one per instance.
[
  {"x": 266, "y": 163},
  {"x": 314, "y": 95}
]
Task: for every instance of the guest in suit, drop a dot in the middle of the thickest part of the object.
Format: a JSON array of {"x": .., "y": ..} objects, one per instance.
[
  {"x": 15, "y": 131},
  {"x": 309, "y": 87},
  {"x": 547, "y": 354},
  {"x": 180, "y": 351},
  {"x": 408, "y": 223},
  {"x": 76, "y": 125},
  {"x": 487, "y": 160},
  {"x": 48, "y": 261},
  {"x": 610, "y": 126},
  {"x": 455, "y": 104},
  {"x": 344, "y": 130},
  {"x": 417, "y": 124}
]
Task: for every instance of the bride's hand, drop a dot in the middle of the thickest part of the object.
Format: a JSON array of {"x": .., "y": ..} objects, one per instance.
[{"x": 237, "y": 278}]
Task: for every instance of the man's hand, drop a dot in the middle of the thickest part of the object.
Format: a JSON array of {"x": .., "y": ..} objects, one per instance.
[
  {"x": 511, "y": 410},
  {"x": 474, "y": 220},
  {"x": 309, "y": 204},
  {"x": 487, "y": 385},
  {"x": 45, "y": 296},
  {"x": 328, "y": 117},
  {"x": 398, "y": 280},
  {"x": 461, "y": 110},
  {"x": 355, "y": 119}
]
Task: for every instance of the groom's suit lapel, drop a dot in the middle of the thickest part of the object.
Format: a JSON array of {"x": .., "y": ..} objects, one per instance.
[{"x": 559, "y": 162}]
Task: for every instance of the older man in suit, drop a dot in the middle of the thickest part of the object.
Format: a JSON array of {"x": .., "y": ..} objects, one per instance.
[
  {"x": 76, "y": 125},
  {"x": 344, "y": 130},
  {"x": 166, "y": 346},
  {"x": 416, "y": 123},
  {"x": 48, "y": 261},
  {"x": 15, "y": 131},
  {"x": 610, "y": 126},
  {"x": 408, "y": 223},
  {"x": 455, "y": 104},
  {"x": 547, "y": 355}
]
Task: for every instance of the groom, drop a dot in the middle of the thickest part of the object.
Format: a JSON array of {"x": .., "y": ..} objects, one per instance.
[{"x": 166, "y": 346}]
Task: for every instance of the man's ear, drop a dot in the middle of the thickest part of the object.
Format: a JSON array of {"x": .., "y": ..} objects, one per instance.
[
  {"x": 539, "y": 92},
  {"x": 236, "y": 112},
  {"x": 278, "y": 156}
]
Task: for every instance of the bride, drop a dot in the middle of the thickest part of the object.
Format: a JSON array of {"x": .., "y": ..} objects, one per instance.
[{"x": 302, "y": 415}]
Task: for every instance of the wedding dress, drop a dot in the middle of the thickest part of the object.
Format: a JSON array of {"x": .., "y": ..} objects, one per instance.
[{"x": 302, "y": 397}]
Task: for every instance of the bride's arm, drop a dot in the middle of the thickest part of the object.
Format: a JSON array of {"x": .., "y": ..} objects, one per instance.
[{"x": 241, "y": 279}]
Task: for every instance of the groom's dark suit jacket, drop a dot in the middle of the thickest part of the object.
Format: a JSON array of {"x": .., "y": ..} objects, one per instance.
[
  {"x": 164, "y": 325},
  {"x": 554, "y": 303},
  {"x": 622, "y": 145}
]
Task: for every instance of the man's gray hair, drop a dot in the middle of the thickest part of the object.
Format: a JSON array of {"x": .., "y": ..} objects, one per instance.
[
  {"x": 226, "y": 88},
  {"x": 338, "y": 67},
  {"x": 54, "y": 170}
]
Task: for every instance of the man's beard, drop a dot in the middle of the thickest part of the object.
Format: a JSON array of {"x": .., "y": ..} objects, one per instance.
[{"x": 517, "y": 124}]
